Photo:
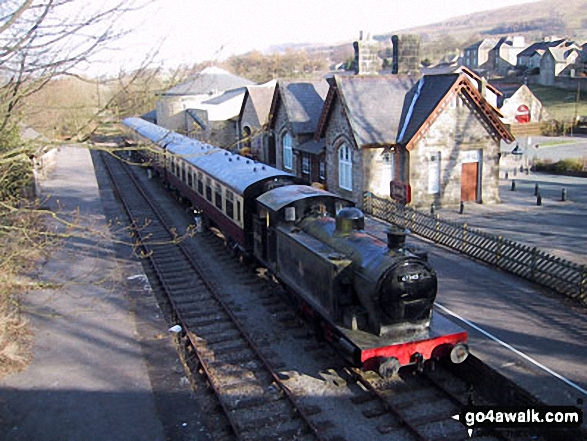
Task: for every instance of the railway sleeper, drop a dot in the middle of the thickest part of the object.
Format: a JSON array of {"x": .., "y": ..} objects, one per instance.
[
  {"x": 255, "y": 399},
  {"x": 219, "y": 336},
  {"x": 271, "y": 425},
  {"x": 194, "y": 307},
  {"x": 200, "y": 320},
  {"x": 243, "y": 356},
  {"x": 406, "y": 399},
  {"x": 228, "y": 347},
  {"x": 209, "y": 329},
  {"x": 447, "y": 429}
]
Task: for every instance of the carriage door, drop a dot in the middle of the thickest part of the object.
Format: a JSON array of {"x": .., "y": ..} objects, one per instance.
[
  {"x": 260, "y": 235},
  {"x": 470, "y": 176}
]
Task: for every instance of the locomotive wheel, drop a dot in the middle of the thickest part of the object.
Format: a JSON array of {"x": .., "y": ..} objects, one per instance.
[{"x": 389, "y": 367}]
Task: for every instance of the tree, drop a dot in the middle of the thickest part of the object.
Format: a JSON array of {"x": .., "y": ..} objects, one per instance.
[{"x": 42, "y": 43}]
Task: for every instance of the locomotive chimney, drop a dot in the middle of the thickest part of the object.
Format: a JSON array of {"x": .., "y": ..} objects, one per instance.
[{"x": 396, "y": 238}]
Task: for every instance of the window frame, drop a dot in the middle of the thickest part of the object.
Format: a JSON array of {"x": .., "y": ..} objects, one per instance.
[
  {"x": 287, "y": 151},
  {"x": 345, "y": 167}
]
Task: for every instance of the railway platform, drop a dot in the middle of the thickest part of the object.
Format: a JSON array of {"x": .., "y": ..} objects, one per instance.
[{"x": 103, "y": 367}]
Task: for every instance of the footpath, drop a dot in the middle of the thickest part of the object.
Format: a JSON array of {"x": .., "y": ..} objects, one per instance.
[{"x": 104, "y": 366}]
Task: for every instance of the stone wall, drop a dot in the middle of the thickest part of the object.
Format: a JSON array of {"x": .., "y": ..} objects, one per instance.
[
  {"x": 457, "y": 136},
  {"x": 338, "y": 131}
]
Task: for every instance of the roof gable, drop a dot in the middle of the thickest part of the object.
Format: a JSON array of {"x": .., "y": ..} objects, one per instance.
[
  {"x": 371, "y": 104},
  {"x": 258, "y": 98},
  {"x": 302, "y": 102},
  {"x": 426, "y": 100}
]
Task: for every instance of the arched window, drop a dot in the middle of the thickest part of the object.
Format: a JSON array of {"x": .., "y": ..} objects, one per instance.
[
  {"x": 287, "y": 151},
  {"x": 345, "y": 167}
]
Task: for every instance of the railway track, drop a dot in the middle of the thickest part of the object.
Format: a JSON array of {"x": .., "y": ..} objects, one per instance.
[
  {"x": 271, "y": 377},
  {"x": 251, "y": 394}
]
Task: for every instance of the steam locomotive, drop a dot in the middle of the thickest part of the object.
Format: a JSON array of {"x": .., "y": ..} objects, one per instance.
[{"x": 371, "y": 299}]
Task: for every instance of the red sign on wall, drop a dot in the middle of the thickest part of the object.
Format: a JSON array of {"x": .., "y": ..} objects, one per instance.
[
  {"x": 400, "y": 192},
  {"x": 523, "y": 114}
]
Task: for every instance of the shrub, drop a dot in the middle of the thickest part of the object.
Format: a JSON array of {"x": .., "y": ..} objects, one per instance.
[{"x": 562, "y": 166}]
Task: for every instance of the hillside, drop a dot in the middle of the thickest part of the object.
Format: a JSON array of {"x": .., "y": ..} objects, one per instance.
[{"x": 567, "y": 18}]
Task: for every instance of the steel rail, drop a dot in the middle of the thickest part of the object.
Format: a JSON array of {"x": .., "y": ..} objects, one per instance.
[{"x": 214, "y": 291}]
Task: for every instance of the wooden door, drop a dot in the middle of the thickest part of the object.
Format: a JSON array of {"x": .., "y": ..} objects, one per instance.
[{"x": 469, "y": 180}]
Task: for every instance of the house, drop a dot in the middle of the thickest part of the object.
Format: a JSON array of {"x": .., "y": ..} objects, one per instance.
[
  {"x": 519, "y": 105},
  {"x": 503, "y": 57},
  {"x": 529, "y": 58},
  {"x": 172, "y": 105},
  {"x": 477, "y": 54},
  {"x": 437, "y": 138},
  {"x": 554, "y": 61},
  {"x": 253, "y": 118},
  {"x": 496, "y": 57},
  {"x": 295, "y": 110},
  {"x": 215, "y": 120}
]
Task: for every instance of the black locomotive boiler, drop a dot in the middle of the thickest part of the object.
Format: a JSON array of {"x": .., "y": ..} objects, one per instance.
[{"x": 370, "y": 298}]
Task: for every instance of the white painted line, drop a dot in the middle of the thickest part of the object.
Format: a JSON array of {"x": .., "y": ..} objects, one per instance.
[{"x": 511, "y": 348}]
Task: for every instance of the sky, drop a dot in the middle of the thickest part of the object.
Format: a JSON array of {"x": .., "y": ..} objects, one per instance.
[{"x": 190, "y": 31}]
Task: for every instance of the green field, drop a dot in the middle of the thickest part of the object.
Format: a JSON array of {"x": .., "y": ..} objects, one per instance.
[{"x": 562, "y": 104}]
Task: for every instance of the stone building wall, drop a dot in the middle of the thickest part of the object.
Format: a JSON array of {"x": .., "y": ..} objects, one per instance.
[
  {"x": 338, "y": 131},
  {"x": 249, "y": 119},
  {"x": 280, "y": 127},
  {"x": 457, "y": 136}
]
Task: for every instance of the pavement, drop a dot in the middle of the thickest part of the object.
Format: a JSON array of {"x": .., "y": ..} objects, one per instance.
[
  {"x": 556, "y": 226},
  {"x": 104, "y": 366}
]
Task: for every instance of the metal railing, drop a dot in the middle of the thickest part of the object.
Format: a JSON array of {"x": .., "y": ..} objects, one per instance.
[{"x": 558, "y": 274}]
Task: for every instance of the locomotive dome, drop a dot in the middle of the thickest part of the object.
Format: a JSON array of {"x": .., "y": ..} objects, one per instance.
[{"x": 349, "y": 219}]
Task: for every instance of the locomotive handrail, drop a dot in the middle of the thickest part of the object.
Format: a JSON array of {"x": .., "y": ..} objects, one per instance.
[{"x": 561, "y": 275}]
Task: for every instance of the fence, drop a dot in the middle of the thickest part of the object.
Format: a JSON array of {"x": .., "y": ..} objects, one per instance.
[{"x": 558, "y": 274}]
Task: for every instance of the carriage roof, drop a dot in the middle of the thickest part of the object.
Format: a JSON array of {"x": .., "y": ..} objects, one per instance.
[{"x": 235, "y": 171}]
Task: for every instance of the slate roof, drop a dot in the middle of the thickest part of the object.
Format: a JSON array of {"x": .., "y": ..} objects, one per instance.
[
  {"x": 539, "y": 47},
  {"x": 226, "y": 96},
  {"x": 260, "y": 97},
  {"x": 391, "y": 110},
  {"x": 210, "y": 81},
  {"x": 303, "y": 102},
  {"x": 373, "y": 105},
  {"x": 313, "y": 146},
  {"x": 421, "y": 101}
]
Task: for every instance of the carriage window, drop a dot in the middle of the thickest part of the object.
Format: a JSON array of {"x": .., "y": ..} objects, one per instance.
[
  {"x": 190, "y": 179},
  {"x": 218, "y": 191},
  {"x": 200, "y": 183},
  {"x": 209, "y": 189},
  {"x": 238, "y": 211},
  {"x": 230, "y": 204},
  {"x": 183, "y": 175}
]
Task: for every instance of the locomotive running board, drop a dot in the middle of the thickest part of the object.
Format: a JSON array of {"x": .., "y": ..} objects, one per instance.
[{"x": 433, "y": 342}]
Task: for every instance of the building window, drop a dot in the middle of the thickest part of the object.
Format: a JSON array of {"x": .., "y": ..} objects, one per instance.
[
  {"x": 287, "y": 151},
  {"x": 345, "y": 167},
  {"x": 388, "y": 159},
  {"x": 306, "y": 163},
  {"x": 322, "y": 168}
]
